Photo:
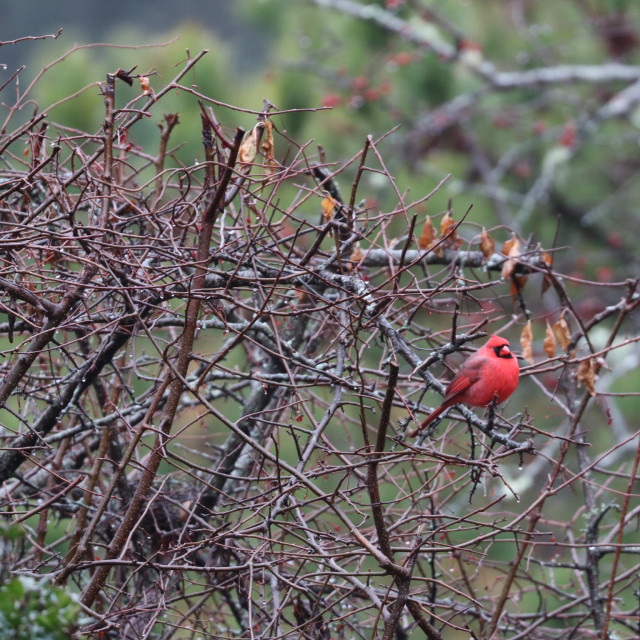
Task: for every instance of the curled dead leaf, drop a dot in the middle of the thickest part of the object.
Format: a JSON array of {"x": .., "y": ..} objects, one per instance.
[
  {"x": 429, "y": 234},
  {"x": 249, "y": 147},
  {"x": 512, "y": 246},
  {"x": 185, "y": 512},
  {"x": 586, "y": 375},
  {"x": 267, "y": 147},
  {"x": 449, "y": 232},
  {"x": 144, "y": 85},
  {"x": 487, "y": 244},
  {"x": 562, "y": 333},
  {"x": 511, "y": 249},
  {"x": 546, "y": 282},
  {"x": 526, "y": 342},
  {"x": 550, "y": 343},
  {"x": 446, "y": 223}
]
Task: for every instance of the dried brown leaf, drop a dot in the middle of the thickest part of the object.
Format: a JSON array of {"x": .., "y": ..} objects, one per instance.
[
  {"x": 429, "y": 234},
  {"x": 487, "y": 244},
  {"x": 512, "y": 246},
  {"x": 511, "y": 249},
  {"x": 249, "y": 147},
  {"x": 550, "y": 343},
  {"x": 144, "y": 85},
  {"x": 526, "y": 342},
  {"x": 446, "y": 223},
  {"x": 546, "y": 282},
  {"x": 562, "y": 332},
  {"x": 586, "y": 375},
  {"x": 267, "y": 147},
  {"x": 449, "y": 232}
]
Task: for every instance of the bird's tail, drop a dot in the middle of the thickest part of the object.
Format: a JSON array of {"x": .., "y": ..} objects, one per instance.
[{"x": 429, "y": 419}]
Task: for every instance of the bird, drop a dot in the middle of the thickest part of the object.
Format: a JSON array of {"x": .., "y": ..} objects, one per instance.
[{"x": 490, "y": 372}]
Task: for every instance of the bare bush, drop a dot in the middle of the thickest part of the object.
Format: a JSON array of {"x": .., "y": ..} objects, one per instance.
[{"x": 208, "y": 377}]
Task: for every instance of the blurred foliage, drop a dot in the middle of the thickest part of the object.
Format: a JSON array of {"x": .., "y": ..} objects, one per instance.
[
  {"x": 34, "y": 610},
  {"x": 87, "y": 67},
  {"x": 376, "y": 81}
]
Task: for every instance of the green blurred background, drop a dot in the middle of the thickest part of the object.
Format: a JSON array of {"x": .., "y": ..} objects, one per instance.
[{"x": 501, "y": 150}]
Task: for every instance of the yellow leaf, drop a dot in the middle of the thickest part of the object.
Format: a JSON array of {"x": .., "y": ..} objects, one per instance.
[
  {"x": 550, "y": 342},
  {"x": 526, "y": 341},
  {"x": 328, "y": 205}
]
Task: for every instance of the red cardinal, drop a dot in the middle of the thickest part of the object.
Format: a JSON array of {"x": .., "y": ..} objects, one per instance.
[{"x": 490, "y": 371}]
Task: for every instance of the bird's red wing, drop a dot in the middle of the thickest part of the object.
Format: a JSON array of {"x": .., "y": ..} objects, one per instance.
[{"x": 463, "y": 380}]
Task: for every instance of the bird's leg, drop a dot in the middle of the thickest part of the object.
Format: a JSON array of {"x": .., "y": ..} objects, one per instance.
[
  {"x": 492, "y": 411},
  {"x": 472, "y": 453},
  {"x": 476, "y": 472},
  {"x": 490, "y": 418}
]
